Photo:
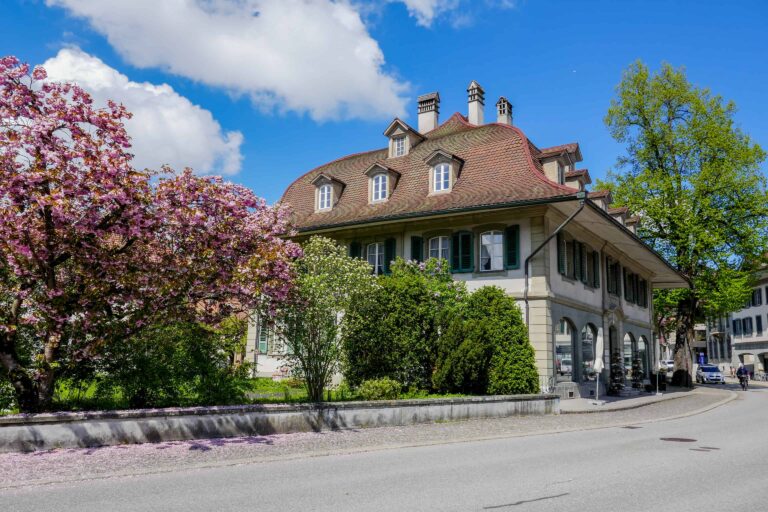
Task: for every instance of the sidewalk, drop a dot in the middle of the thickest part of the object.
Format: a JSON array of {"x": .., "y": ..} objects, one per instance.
[{"x": 614, "y": 403}]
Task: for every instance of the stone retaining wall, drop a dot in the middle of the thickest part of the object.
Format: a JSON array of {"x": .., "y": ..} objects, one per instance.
[{"x": 28, "y": 432}]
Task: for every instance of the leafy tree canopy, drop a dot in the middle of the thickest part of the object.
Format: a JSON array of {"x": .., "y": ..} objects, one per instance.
[{"x": 694, "y": 179}]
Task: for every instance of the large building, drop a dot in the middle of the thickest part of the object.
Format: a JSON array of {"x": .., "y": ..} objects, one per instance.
[
  {"x": 741, "y": 337},
  {"x": 502, "y": 212}
]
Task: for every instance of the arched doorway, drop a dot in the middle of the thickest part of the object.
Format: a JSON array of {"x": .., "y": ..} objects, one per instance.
[
  {"x": 565, "y": 355},
  {"x": 587, "y": 348},
  {"x": 644, "y": 355}
]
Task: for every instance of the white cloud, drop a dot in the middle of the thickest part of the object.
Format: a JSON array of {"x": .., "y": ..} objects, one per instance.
[
  {"x": 313, "y": 56},
  {"x": 166, "y": 127},
  {"x": 425, "y": 11},
  {"x": 460, "y": 13}
]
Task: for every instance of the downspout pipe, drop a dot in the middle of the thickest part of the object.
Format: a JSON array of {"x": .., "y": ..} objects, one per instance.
[{"x": 581, "y": 196}]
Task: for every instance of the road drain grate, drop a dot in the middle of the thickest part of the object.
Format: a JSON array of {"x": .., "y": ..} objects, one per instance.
[
  {"x": 709, "y": 448},
  {"x": 698, "y": 450},
  {"x": 678, "y": 439},
  {"x": 631, "y": 427}
]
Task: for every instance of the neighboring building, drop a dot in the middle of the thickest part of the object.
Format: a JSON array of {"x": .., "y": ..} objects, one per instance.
[
  {"x": 742, "y": 336},
  {"x": 485, "y": 198}
]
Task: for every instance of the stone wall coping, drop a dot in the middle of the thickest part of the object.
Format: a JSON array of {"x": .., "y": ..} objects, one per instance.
[{"x": 69, "y": 417}]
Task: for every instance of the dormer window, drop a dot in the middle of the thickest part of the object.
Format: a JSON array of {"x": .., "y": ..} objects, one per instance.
[
  {"x": 381, "y": 182},
  {"x": 445, "y": 171},
  {"x": 402, "y": 138},
  {"x": 324, "y": 195},
  {"x": 442, "y": 178},
  {"x": 327, "y": 192},
  {"x": 399, "y": 146},
  {"x": 380, "y": 187},
  {"x": 560, "y": 173}
]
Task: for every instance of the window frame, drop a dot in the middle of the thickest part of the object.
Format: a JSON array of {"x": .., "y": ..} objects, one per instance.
[
  {"x": 379, "y": 254},
  {"x": 382, "y": 190},
  {"x": 399, "y": 146},
  {"x": 496, "y": 245},
  {"x": 322, "y": 196},
  {"x": 444, "y": 168},
  {"x": 440, "y": 239}
]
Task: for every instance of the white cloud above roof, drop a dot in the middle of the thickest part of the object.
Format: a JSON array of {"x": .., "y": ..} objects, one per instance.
[
  {"x": 313, "y": 57},
  {"x": 166, "y": 127}
]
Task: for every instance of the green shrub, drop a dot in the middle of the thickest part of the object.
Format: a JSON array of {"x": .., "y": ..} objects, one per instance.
[
  {"x": 380, "y": 389},
  {"x": 7, "y": 397},
  {"x": 485, "y": 348},
  {"x": 395, "y": 332},
  {"x": 173, "y": 365}
]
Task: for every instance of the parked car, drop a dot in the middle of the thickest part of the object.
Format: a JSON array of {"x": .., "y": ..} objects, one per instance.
[
  {"x": 670, "y": 364},
  {"x": 565, "y": 367},
  {"x": 706, "y": 374}
]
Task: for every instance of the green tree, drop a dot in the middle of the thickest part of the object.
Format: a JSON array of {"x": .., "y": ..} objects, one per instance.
[
  {"x": 486, "y": 349},
  {"x": 313, "y": 320},
  {"x": 395, "y": 333},
  {"x": 694, "y": 178}
]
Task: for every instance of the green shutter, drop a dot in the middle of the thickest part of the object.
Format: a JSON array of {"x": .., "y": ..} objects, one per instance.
[
  {"x": 595, "y": 269},
  {"x": 417, "y": 248},
  {"x": 462, "y": 257},
  {"x": 560, "y": 254},
  {"x": 355, "y": 250},
  {"x": 577, "y": 260},
  {"x": 512, "y": 246},
  {"x": 389, "y": 253},
  {"x": 584, "y": 276}
]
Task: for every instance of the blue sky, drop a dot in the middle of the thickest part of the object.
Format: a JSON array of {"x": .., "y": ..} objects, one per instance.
[{"x": 265, "y": 90}]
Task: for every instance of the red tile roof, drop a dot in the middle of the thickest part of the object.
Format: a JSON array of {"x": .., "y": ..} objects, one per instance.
[
  {"x": 571, "y": 147},
  {"x": 616, "y": 211},
  {"x": 500, "y": 166},
  {"x": 597, "y": 194}
]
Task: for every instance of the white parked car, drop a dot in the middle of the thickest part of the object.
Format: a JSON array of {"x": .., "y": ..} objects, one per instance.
[
  {"x": 565, "y": 367},
  {"x": 669, "y": 364},
  {"x": 706, "y": 374}
]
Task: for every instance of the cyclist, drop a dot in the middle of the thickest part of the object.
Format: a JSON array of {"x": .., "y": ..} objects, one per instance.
[{"x": 743, "y": 375}]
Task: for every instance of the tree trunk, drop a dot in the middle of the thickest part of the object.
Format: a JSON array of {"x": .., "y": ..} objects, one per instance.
[
  {"x": 684, "y": 338},
  {"x": 32, "y": 395}
]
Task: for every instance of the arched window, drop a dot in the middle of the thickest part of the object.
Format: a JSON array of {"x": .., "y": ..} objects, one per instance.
[
  {"x": 380, "y": 187},
  {"x": 438, "y": 247},
  {"x": 491, "y": 251},
  {"x": 442, "y": 177},
  {"x": 324, "y": 197},
  {"x": 564, "y": 350},
  {"x": 375, "y": 254}
]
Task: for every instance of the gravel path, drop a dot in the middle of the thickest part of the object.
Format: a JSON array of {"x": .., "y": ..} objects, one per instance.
[{"x": 27, "y": 469}]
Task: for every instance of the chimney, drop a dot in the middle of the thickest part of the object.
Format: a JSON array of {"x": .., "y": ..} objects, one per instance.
[
  {"x": 504, "y": 111},
  {"x": 429, "y": 108},
  {"x": 476, "y": 100}
]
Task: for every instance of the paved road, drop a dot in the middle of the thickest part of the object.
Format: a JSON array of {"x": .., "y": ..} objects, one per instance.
[{"x": 616, "y": 468}]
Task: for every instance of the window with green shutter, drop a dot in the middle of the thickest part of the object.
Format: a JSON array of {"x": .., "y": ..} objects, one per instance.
[
  {"x": 389, "y": 253},
  {"x": 576, "y": 260},
  {"x": 584, "y": 264},
  {"x": 355, "y": 250},
  {"x": 417, "y": 248},
  {"x": 462, "y": 257},
  {"x": 595, "y": 269},
  {"x": 512, "y": 246},
  {"x": 561, "y": 254}
]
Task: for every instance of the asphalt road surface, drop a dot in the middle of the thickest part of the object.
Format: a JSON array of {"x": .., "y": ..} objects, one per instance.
[{"x": 710, "y": 461}]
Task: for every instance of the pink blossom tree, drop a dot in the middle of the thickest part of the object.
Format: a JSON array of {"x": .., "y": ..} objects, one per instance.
[{"x": 91, "y": 248}]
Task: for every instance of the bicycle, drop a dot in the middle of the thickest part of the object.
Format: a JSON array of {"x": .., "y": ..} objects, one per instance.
[{"x": 744, "y": 381}]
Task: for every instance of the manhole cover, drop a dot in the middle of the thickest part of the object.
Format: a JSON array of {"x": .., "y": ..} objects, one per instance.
[{"x": 678, "y": 439}]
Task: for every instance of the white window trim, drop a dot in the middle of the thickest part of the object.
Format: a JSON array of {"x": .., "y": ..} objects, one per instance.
[
  {"x": 491, "y": 256},
  {"x": 320, "y": 199},
  {"x": 378, "y": 253},
  {"x": 400, "y": 148},
  {"x": 385, "y": 191},
  {"x": 435, "y": 181},
  {"x": 440, "y": 249}
]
